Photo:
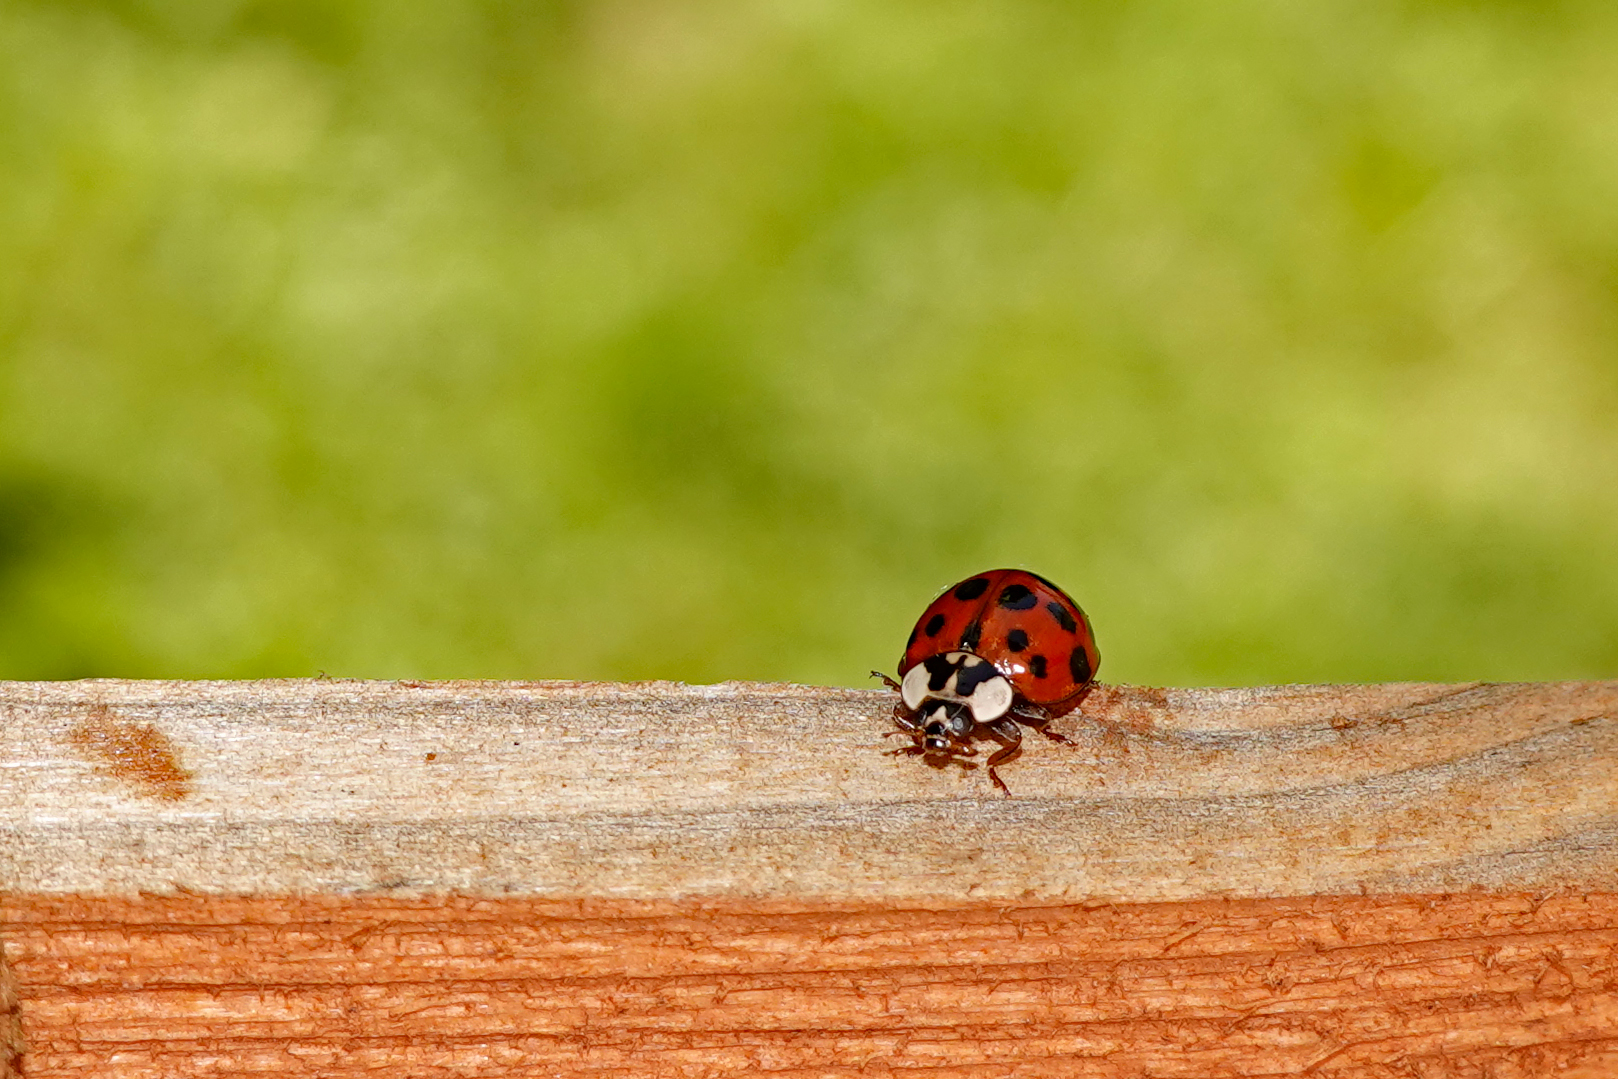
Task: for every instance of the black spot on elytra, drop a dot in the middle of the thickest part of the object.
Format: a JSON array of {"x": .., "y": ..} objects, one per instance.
[
  {"x": 1016, "y": 640},
  {"x": 934, "y": 624},
  {"x": 1063, "y": 619},
  {"x": 938, "y": 671},
  {"x": 1016, "y": 597},
  {"x": 969, "y": 590},
  {"x": 971, "y": 635},
  {"x": 974, "y": 676},
  {"x": 1037, "y": 665},
  {"x": 1079, "y": 664}
]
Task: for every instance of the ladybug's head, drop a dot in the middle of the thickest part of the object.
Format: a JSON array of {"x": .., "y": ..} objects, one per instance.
[
  {"x": 945, "y": 727},
  {"x": 970, "y": 683}
]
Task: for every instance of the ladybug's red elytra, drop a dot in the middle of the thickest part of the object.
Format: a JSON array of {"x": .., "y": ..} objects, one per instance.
[{"x": 999, "y": 648}]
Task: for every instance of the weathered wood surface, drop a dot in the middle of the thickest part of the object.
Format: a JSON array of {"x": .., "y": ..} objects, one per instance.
[
  {"x": 661, "y": 790},
  {"x": 344, "y": 879}
]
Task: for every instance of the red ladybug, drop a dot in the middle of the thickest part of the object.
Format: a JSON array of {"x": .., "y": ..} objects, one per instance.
[{"x": 998, "y": 648}]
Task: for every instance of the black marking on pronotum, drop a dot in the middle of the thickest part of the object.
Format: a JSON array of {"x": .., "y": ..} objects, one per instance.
[
  {"x": 934, "y": 624},
  {"x": 1016, "y": 640},
  {"x": 972, "y": 589},
  {"x": 1016, "y": 597},
  {"x": 1037, "y": 665},
  {"x": 1079, "y": 664},
  {"x": 1059, "y": 613},
  {"x": 972, "y": 676},
  {"x": 938, "y": 671},
  {"x": 971, "y": 635}
]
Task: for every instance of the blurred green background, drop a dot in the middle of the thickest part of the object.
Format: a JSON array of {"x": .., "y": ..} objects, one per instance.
[{"x": 712, "y": 340}]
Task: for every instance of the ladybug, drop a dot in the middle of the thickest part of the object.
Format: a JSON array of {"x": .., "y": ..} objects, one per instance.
[{"x": 999, "y": 648}]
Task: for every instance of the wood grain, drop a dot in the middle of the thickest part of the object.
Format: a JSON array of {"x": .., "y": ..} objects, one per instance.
[
  {"x": 12, "y": 1043},
  {"x": 489, "y": 879},
  {"x": 1508, "y": 987}
]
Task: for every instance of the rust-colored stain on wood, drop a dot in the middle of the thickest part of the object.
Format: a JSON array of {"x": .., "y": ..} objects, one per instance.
[
  {"x": 136, "y": 753},
  {"x": 1487, "y": 985}
]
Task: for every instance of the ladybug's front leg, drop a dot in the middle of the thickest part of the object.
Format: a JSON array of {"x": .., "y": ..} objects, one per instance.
[
  {"x": 890, "y": 683},
  {"x": 1009, "y": 735},
  {"x": 908, "y": 728}
]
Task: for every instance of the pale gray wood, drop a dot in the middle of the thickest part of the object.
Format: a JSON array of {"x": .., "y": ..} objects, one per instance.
[{"x": 667, "y": 790}]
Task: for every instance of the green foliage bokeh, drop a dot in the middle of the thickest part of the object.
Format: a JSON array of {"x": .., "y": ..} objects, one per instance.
[{"x": 706, "y": 341}]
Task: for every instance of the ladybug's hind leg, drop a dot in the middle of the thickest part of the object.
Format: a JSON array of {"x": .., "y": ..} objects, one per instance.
[
  {"x": 1039, "y": 719},
  {"x": 1052, "y": 735}
]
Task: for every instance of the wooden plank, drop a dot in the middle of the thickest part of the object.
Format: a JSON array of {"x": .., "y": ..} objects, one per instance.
[
  {"x": 339, "y": 879},
  {"x": 652, "y": 791}
]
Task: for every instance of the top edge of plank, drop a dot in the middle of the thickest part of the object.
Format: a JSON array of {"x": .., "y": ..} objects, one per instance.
[{"x": 769, "y": 790}]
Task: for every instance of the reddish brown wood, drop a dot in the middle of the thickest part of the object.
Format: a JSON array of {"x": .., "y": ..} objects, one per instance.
[
  {"x": 1487, "y": 985},
  {"x": 11, "y": 1043}
]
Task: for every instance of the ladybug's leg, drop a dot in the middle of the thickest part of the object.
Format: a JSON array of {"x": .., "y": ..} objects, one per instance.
[
  {"x": 940, "y": 758},
  {"x": 910, "y": 729},
  {"x": 1009, "y": 735},
  {"x": 890, "y": 683},
  {"x": 1039, "y": 719},
  {"x": 914, "y": 750}
]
